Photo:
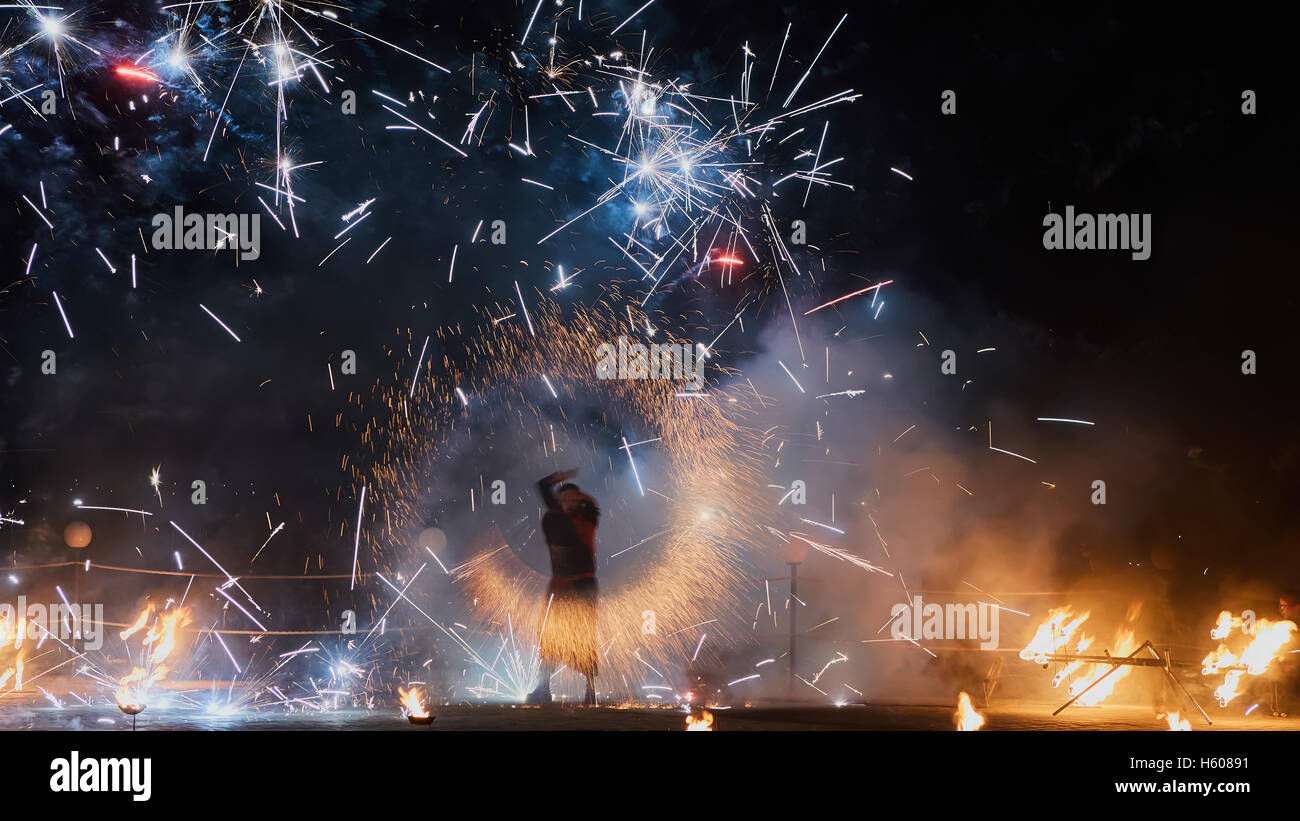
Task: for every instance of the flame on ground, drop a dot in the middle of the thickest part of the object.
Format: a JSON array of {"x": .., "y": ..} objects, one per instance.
[
  {"x": 703, "y": 723},
  {"x": 1176, "y": 723},
  {"x": 967, "y": 719},
  {"x": 413, "y": 703}
]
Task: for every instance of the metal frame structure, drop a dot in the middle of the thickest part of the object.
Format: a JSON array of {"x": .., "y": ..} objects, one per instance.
[{"x": 1165, "y": 663}]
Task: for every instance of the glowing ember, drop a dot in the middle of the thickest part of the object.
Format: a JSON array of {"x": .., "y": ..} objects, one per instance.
[
  {"x": 966, "y": 718},
  {"x": 704, "y": 723}
]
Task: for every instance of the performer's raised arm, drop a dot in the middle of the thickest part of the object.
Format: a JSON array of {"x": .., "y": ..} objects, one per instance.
[{"x": 546, "y": 483}]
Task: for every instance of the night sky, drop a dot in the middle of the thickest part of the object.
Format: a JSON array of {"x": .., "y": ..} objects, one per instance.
[{"x": 1131, "y": 110}]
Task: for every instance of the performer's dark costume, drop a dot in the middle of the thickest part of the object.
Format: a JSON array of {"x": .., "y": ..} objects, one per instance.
[{"x": 568, "y": 623}]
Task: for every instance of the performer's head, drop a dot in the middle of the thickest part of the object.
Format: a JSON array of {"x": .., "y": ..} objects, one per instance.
[
  {"x": 576, "y": 503},
  {"x": 570, "y": 497},
  {"x": 1289, "y": 605}
]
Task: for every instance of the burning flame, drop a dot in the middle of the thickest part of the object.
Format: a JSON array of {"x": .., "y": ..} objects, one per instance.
[
  {"x": 20, "y": 630},
  {"x": 1053, "y": 634},
  {"x": 1224, "y": 625},
  {"x": 413, "y": 702},
  {"x": 966, "y": 717},
  {"x": 8, "y": 674},
  {"x": 1270, "y": 637},
  {"x": 703, "y": 723},
  {"x": 163, "y": 633},
  {"x": 1125, "y": 644},
  {"x": 1061, "y": 634},
  {"x": 5, "y": 636},
  {"x": 1069, "y": 669},
  {"x": 1175, "y": 723},
  {"x": 133, "y": 689},
  {"x": 139, "y": 623}
]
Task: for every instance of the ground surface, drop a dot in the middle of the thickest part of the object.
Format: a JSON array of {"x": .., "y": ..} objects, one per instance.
[{"x": 22, "y": 714}]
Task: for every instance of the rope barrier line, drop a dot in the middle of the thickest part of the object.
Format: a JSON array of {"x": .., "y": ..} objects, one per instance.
[
  {"x": 338, "y": 576},
  {"x": 966, "y": 593},
  {"x": 95, "y": 566},
  {"x": 264, "y": 632}
]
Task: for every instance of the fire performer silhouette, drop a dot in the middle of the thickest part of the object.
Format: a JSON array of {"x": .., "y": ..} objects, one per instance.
[
  {"x": 568, "y": 631},
  {"x": 1286, "y": 683}
]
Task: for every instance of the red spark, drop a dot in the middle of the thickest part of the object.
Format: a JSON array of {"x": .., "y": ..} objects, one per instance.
[
  {"x": 846, "y": 296},
  {"x": 137, "y": 74}
]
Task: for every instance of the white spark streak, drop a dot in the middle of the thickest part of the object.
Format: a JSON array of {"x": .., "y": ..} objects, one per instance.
[
  {"x": 356, "y": 547},
  {"x": 59, "y": 303},
  {"x": 219, "y": 322}
]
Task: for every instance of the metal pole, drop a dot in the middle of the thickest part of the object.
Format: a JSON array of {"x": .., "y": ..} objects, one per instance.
[
  {"x": 794, "y": 618},
  {"x": 1115, "y": 667},
  {"x": 76, "y": 602},
  {"x": 1168, "y": 668}
]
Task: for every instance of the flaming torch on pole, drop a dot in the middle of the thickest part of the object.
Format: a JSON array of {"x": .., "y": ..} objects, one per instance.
[
  {"x": 133, "y": 690},
  {"x": 1266, "y": 644},
  {"x": 794, "y": 554}
]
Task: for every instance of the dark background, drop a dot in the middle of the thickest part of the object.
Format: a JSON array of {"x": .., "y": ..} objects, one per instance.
[{"x": 1127, "y": 110}]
